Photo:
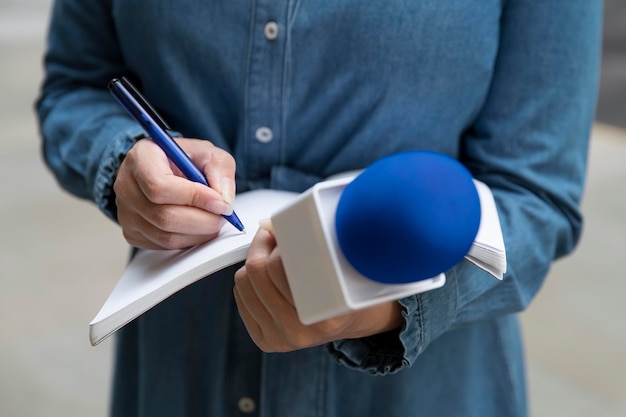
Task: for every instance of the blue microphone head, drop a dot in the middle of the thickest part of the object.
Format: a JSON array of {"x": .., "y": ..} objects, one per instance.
[{"x": 408, "y": 217}]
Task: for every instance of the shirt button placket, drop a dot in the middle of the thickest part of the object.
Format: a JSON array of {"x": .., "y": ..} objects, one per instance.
[
  {"x": 264, "y": 95},
  {"x": 270, "y": 31}
]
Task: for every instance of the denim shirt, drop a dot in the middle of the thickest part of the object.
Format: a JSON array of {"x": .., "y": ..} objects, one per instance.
[{"x": 299, "y": 90}]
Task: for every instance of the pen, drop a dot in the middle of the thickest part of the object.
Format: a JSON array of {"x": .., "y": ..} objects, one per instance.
[{"x": 144, "y": 114}]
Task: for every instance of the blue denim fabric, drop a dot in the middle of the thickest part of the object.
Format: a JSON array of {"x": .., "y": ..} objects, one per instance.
[{"x": 506, "y": 86}]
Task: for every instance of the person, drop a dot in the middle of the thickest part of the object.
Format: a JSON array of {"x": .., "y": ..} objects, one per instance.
[{"x": 282, "y": 94}]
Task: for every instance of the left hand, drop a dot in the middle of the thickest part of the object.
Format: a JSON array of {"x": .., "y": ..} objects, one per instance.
[{"x": 267, "y": 309}]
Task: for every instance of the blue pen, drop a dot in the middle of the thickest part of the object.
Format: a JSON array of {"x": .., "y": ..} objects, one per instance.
[{"x": 130, "y": 98}]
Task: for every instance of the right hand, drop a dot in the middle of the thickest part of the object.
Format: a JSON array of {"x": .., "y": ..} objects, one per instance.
[{"x": 158, "y": 208}]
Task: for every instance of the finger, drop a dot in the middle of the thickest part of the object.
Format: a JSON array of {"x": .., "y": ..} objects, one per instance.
[
  {"x": 252, "y": 326},
  {"x": 140, "y": 233},
  {"x": 265, "y": 249},
  {"x": 171, "y": 189},
  {"x": 266, "y": 224},
  {"x": 267, "y": 277},
  {"x": 182, "y": 220},
  {"x": 276, "y": 271},
  {"x": 129, "y": 201},
  {"x": 162, "y": 183},
  {"x": 275, "y": 265},
  {"x": 167, "y": 217},
  {"x": 217, "y": 165},
  {"x": 135, "y": 237},
  {"x": 163, "y": 225},
  {"x": 250, "y": 301},
  {"x": 261, "y": 247}
]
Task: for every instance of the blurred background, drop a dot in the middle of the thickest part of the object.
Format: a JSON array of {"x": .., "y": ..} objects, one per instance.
[{"x": 59, "y": 259}]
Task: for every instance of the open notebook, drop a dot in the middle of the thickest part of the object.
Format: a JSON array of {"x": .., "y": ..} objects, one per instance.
[{"x": 153, "y": 275}]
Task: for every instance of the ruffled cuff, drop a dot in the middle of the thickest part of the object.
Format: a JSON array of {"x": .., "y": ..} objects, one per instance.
[
  {"x": 426, "y": 316},
  {"x": 103, "y": 194}
]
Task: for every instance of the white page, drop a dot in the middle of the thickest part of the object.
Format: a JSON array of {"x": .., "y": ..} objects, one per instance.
[
  {"x": 154, "y": 275},
  {"x": 488, "y": 251}
]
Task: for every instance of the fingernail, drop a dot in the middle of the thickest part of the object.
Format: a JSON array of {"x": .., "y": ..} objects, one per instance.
[
  {"x": 228, "y": 210},
  {"x": 266, "y": 224},
  {"x": 219, "y": 207},
  {"x": 227, "y": 189}
]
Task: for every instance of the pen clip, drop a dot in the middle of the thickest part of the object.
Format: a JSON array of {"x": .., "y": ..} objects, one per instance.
[{"x": 143, "y": 103}]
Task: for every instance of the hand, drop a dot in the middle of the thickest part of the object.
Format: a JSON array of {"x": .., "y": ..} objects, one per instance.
[
  {"x": 267, "y": 309},
  {"x": 158, "y": 208}
]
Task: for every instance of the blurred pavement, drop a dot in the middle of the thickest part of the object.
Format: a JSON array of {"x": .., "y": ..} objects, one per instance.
[{"x": 60, "y": 257}]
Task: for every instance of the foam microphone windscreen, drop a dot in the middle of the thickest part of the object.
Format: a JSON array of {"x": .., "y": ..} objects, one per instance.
[{"x": 407, "y": 217}]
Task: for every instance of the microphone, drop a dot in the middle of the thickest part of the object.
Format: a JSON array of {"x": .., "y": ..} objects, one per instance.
[{"x": 408, "y": 217}]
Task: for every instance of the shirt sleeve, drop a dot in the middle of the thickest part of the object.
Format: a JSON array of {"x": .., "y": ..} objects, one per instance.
[
  {"x": 85, "y": 132},
  {"x": 529, "y": 144}
]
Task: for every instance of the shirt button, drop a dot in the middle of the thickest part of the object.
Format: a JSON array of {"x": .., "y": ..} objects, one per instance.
[
  {"x": 264, "y": 134},
  {"x": 246, "y": 405},
  {"x": 270, "y": 31}
]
